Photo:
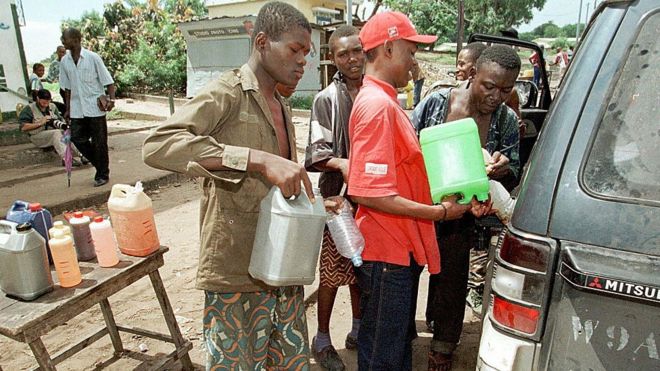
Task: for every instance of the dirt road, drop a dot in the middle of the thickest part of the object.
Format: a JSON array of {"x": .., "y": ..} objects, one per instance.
[
  {"x": 176, "y": 218},
  {"x": 177, "y": 209}
]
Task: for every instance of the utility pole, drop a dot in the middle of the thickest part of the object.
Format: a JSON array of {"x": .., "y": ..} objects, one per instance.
[
  {"x": 577, "y": 28},
  {"x": 461, "y": 20},
  {"x": 349, "y": 12},
  {"x": 586, "y": 18}
]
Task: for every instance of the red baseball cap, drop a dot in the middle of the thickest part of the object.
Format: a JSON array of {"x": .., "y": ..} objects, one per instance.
[{"x": 391, "y": 26}]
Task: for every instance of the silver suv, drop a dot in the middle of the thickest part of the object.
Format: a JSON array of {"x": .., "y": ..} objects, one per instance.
[{"x": 574, "y": 282}]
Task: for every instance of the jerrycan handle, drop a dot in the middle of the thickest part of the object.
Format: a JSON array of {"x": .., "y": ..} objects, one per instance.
[
  {"x": 300, "y": 200},
  {"x": 7, "y": 227},
  {"x": 120, "y": 190}
]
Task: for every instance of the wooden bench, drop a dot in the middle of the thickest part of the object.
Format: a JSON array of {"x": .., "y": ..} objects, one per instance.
[{"x": 27, "y": 322}]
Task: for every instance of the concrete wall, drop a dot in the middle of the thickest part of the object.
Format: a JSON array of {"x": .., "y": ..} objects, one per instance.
[
  {"x": 216, "y": 45},
  {"x": 11, "y": 59}
]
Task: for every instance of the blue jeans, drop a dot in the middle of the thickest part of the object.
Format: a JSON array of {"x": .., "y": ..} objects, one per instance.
[
  {"x": 537, "y": 76},
  {"x": 386, "y": 303}
]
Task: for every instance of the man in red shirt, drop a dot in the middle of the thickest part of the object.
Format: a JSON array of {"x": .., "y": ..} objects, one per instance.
[
  {"x": 561, "y": 59},
  {"x": 388, "y": 180}
]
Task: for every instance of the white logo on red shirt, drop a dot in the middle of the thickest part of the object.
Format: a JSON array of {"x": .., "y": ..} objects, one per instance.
[{"x": 375, "y": 169}]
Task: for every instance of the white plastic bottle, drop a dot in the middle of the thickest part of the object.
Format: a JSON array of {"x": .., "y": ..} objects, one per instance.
[
  {"x": 348, "y": 239},
  {"x": 59, "y": 225},
  {"x": 82, "y": 236},
  {"x": 104, "y": 242},
  {"x": 64, "y": 259},
  {"x": 502, "y": 201}
]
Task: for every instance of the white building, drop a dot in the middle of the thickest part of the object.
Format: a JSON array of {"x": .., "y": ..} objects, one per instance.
[
  {"x": 13, "y": 67},
  {"x": 222, "y": 41}
]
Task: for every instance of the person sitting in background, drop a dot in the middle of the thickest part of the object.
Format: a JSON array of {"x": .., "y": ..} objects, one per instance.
[
  {"x": 38, "y": 71},
  {"x": 44, "y": 124}
]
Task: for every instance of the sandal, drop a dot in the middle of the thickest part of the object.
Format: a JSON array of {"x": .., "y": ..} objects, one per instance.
[
  {"x": 439, "y": 361},
  {"x": 328, "y": 357}
]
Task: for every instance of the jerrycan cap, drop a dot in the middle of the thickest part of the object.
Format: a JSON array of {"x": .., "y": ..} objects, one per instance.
[
  {"x": 23, "y": 227},
  {"x": 58, "y": 223},
  {"x": 98, "y": 219},
  {"x": 78, "y": 214},
  {"x": 35, "y": 206},
  {"x": 57, "y": 234}
]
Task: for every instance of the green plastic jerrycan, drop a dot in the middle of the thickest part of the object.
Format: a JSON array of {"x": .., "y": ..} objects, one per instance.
[{"x": 454, "y": 161}]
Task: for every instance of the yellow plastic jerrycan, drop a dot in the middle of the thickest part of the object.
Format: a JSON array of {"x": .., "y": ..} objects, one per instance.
[
  {"x": 454, "y": 161},
  {"x": 132, "y": 217}
]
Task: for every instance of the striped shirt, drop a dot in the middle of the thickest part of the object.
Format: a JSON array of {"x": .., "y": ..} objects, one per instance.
[
  {"x": 86, "y": 81},
  {"x": 35, "y": 83}
]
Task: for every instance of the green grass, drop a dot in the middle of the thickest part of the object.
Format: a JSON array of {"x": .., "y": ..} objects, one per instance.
[
  {"x": 438, "y": 58},
  {"x": 115, "y": 114},
  {"x": 449, "y": 59}
]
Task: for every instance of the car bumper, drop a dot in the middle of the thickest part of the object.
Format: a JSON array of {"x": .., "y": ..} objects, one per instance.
[{"x": 502, "y": 352}]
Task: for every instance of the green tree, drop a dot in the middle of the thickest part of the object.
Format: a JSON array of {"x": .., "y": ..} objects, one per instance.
[
  {"x": 560, "y": 42},
  {"x": 548, "y": 29},
  {"x": 90, "y": 25},
  {"x": 569, "y": 29},
  {"x": 430, "y": 17},
  {"x": 140, "y": 43},
  {"x": 527, "y": 36},
  {"x": 440, "y": 17}
]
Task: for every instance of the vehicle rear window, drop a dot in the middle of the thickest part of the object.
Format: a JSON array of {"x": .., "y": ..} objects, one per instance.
[{"x": 624, "y": 161}]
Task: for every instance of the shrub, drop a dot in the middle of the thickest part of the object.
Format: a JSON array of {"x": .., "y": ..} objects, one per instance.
[
  {"x": 140, "y": 43},
  {"x": 301, "y": 101},
  {"x": 560, "y": 42}
]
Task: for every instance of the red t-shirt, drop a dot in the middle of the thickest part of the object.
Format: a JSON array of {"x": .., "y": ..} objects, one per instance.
[
  {"x": 535, "y": 59},
  {"x": 386, "y": 159}
]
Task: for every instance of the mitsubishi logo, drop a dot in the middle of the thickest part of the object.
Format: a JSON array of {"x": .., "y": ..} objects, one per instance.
[
  {"x": 596, "y": 283},
  {"x": 610, "y": 285}
]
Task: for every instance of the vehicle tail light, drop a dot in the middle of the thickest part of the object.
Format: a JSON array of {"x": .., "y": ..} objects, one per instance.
[
  {"x": 515, "y": 316},
  {"x": 519, "y": 283}
]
